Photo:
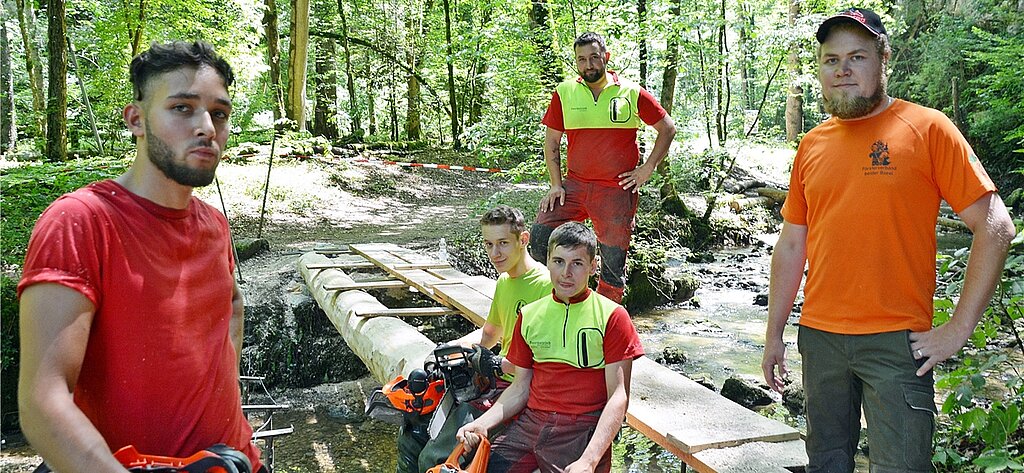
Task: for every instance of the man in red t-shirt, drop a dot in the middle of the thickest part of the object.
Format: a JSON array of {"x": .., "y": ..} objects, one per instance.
[
  {"x": 131, "y": 321},
  {"x": 600, "y": 112}
]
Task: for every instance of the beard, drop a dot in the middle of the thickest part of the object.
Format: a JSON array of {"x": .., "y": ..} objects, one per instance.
[
  {"x": 849, "y": 107},
  {"x": 594, "y": 75},
  {"x": 161, "y": 155}
]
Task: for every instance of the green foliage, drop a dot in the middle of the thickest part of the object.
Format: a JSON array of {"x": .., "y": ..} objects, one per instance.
[
  {"x": 979, "y": 51},
  {"x": 981, "y": 422}
]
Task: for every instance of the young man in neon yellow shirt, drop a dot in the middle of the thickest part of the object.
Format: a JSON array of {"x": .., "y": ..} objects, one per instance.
[
  {"x": 573, "y": 353},
  {"x": 521, "y": 281}
]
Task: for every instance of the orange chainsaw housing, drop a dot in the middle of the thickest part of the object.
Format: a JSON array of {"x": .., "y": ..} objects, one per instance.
[{"x": 405, "y": 400}]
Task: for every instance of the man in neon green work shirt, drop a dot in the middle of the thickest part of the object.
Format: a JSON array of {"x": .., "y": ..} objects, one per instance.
[
  {"x": 574, "y": 354},
  {"x": 521, "y": 281}
]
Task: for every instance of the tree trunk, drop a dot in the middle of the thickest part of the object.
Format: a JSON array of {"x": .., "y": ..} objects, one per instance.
[
  {"x": 452, "y": 98},
  {"x": 641, "y": 14},
  {"x": 543, "y": 40},
  {"x": 85, "y": 97},
  {"x": 8, "y": 133},
  {"x": 27, "y": 25},
  {"x": 705, "y": 85},
  {"x": 417, "y": 29},
  {"x": 325, "y": 115},
  {"x": 297, "y": 58},
  {"x": 724, "y": 93},
  {"x": 57, "y": 98},
  {"x": 371, "y": 98},
  {"x": 670, "y": 201},
  {"x": 795, "y": 99},
  {"x": 135, "y": 26},
  {"x": 393, "y": 114},
  {"x": 353, "y": 102},
  {"x": 746, "y": 56},
  {"x": 273, "y": 56},
  {"x": 479, "y": 85}
]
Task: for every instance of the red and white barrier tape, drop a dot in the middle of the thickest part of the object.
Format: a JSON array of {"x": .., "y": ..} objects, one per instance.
[{"x": 425, "y": 165}]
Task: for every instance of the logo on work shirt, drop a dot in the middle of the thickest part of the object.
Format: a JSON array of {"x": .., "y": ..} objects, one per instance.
[
  {"x": 519, "y": 305},
  {"x": 880, "y": 163},
  {"x": 619, "y": 110}
]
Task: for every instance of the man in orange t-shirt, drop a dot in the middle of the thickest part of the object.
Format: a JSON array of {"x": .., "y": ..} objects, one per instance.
[{"x": 863, "y": 201}]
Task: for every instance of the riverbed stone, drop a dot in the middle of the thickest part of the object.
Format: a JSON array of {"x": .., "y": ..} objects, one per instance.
[
  {"x": 761, "y": 299},
  {"x": 793, "y": 398},
  {"x": 745, "y": 393},
  {"x": 672, "y": 355}
]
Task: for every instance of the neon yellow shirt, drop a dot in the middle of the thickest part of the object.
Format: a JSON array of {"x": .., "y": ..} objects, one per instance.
[{"x": 510, "y": 295}]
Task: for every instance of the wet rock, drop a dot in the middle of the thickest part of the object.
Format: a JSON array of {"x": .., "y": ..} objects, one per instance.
[
  {"x": 793, "y": 398},
  {"x": 745, "y": 393},
  {"x": 672, "y": 355},
  {"x": 644, "y": 290},
  {"x": 705, "y": 380},
  {"x": 248, "y": 247},
  {"x": 761, "y": 299}
]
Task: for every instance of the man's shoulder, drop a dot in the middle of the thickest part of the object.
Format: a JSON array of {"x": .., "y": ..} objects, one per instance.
[{"x": 90, "y": 199}]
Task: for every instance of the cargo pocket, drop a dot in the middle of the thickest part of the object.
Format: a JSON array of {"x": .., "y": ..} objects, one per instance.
[
  {"x": 919, "y": 398},
  {"x": 919, "y": 428}
]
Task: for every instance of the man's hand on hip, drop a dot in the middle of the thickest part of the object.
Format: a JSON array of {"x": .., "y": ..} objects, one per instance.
[
  {"x": 937, "y": 344},
  {"x": 635, "y": 179},
  {"x": 556, "y": 194}
]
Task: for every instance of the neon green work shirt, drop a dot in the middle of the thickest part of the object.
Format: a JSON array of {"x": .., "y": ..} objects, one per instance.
[{"x": 510, "y": 295}]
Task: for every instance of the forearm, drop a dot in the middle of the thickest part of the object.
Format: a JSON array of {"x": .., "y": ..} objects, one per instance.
[
  {"x": 510, "y": 403},
  {"x": 984, "y": 268},
  {"x": 63, "y": 436},
  {"x": 607, "y": 426},
  {"x": 237, "y": 326},
  {"x": 553, "y": 156},
  {"x": 786, "y": 273},
  {"x": 661, "y": 147}
]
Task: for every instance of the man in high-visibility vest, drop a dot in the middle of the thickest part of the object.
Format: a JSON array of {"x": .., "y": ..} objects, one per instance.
[{"x": 600, "y": 112}]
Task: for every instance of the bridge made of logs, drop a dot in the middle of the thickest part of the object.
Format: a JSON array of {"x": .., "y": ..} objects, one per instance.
[{"x": 708, "y": 432}]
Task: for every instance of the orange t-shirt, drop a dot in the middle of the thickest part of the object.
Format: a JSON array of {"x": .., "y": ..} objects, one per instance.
[{"x": 869, "y": 192}]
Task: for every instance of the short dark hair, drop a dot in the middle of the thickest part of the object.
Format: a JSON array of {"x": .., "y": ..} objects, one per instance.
[
  {"x": 167, "y": 57},
  {"x": 505, "y": 215},
  {"x": 573, "y": 235},
  {"x": 588, "y": 38}
]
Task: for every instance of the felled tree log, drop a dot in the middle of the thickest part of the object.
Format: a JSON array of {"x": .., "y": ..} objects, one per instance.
[
  {"x": 953, "y": 224},
  {"x": 744, "y": 185},
  {"x": 740, "y": 205},
  {"x": 388, "y": 346},
  {"x": 778, "y": 195}
]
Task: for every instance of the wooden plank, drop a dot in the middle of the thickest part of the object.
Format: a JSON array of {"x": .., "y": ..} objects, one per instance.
[
  {"x": 367, "y": 285},
  {"x": 268, "y": 434},
  {"x": 403, "y": 267},
  {"x": 343, "y": 265},
  {"x": 408, "y": 312},
  {"x": 264, "y": 407},
  {"x": 672, "y": 409},
  {"x": 333, "y": 251},
  {"x": 474, "y": 306},
  {"x": 756, "y": 457}
]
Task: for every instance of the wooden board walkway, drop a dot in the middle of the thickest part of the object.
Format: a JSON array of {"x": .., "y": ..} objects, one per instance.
[{"x": 705, "y": 430}]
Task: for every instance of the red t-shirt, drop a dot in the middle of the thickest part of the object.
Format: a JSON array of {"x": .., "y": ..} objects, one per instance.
[
  {"x": 159, "y": 370},
  {"x": 601, "y": 154},
  {"x": 561, "y": 387}
]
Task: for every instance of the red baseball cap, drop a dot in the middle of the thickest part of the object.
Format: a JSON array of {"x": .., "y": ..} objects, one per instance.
[{"x": 861, "y": 16}]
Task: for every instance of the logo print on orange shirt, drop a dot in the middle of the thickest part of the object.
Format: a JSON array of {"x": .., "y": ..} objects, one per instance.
[{"x": 879, "y": 154}]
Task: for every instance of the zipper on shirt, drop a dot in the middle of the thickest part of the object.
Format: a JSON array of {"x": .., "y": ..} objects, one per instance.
[{"x": 565, "y": 324}]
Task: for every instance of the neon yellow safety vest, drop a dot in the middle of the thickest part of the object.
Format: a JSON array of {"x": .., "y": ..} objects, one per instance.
[
  {"x": 616, "y": 106},
  {"x": 568, "y": 333}
]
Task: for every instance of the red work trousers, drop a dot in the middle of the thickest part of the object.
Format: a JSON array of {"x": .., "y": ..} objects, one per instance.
[{"x": 612, "y": 211}]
